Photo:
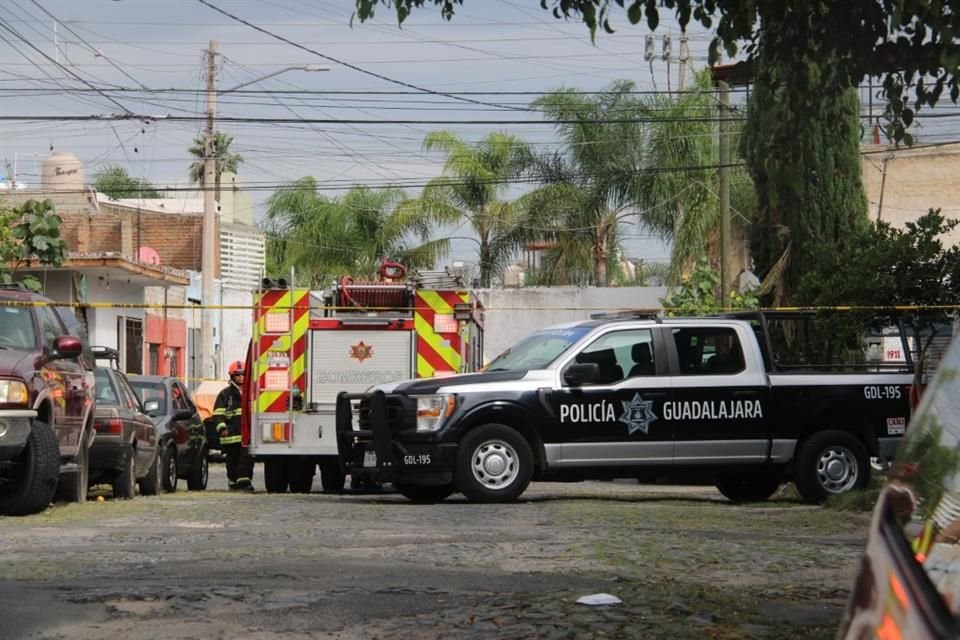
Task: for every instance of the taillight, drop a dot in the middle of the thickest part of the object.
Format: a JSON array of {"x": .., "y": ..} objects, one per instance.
[{"x": 110, "y": 425}]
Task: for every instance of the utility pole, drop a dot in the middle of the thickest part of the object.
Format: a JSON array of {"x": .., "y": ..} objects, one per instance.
[
  {"x": 724, "y": 152},
  {"x": 210, "y": 239}
]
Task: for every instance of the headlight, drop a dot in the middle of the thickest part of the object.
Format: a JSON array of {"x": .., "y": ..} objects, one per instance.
[
  {"x": 13, "y": 392},
  {"x": 432, "y": 411}
]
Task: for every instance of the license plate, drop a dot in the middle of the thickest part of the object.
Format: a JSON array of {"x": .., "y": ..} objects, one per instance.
[{"x": 369, "y": 458}]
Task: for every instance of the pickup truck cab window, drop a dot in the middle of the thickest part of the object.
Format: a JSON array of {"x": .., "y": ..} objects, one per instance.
[
  {"x": 620, "y": 355},
  {"x": 708, "y": 351}
]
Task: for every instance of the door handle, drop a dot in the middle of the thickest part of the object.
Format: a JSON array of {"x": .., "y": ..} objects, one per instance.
[
  {"x": 655, "y": 394},
  {"x": 744, "y": 393}
]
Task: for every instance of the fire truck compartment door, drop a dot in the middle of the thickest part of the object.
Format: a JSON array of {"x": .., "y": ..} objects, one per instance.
[{"x": 354, "y": 360}]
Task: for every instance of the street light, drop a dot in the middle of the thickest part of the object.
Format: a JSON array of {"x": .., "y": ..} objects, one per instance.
[{"x": 210, "y": 240}]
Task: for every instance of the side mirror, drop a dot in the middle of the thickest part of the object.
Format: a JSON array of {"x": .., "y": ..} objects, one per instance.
[
  {"x": 67, "y": 347},
  {"x": 580, "y": 372},
  {"x": 151, "y": 407}
]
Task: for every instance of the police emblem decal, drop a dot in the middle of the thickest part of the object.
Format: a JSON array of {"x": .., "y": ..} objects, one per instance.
[
  {"x": 361, "y": 351},
  {"x": 637, "y": 414}
]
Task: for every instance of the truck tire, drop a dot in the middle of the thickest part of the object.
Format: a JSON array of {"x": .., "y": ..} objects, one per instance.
[
  {"x": 168, "y": 469},
  {"x": 73, "y": 486},
  {"x": 199, "y": 472},
  {"x": 749, "y": 488},
  {"x": 125, "y": 483},
  {"x": 829, "y": 463},
  {"x": 275, "y": 475},
  {"x": 494, "y": 464},
  {"x": 34, "y": 481},
  {"x": 426, "y": 493},
  {"x": 300, "y": 472},
  {"x": 331, "y": 477},
  {"x": 150, "y": 483}
]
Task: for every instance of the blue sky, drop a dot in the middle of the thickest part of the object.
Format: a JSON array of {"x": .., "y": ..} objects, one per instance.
[{"x": 490, "y": 46}]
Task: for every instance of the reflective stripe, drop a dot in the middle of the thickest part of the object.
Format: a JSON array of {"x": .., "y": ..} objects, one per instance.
[
  {"x": 219, "y": 411},
  {"x": 230, "y": 440}
]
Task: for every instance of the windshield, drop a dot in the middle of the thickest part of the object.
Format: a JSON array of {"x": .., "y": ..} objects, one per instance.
[
  {"x": 17, "y": 329},
  {"x": 151, "y": 391},
  {"x": 537, "y": 350}
]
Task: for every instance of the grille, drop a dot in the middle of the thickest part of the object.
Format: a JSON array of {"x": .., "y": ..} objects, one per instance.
[{"x": 401, "y": 413}]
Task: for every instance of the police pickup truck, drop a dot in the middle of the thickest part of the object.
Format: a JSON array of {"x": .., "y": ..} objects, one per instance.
[{"x": 707, "y": 399}]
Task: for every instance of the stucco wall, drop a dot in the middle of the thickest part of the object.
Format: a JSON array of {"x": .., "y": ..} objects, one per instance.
[
  {"x": 916, "y": 180},
  {"x": 511, "y": 314}
]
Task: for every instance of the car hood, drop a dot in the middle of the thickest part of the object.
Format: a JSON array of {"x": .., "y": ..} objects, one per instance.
[
  {"x": 15, "y": 363},
  {"x": 424, "y": 386}
]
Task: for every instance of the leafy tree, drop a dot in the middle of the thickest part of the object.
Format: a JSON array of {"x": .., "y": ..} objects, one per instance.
[
  {"x": 117, "y": 183},
  {"x": 698, "y": 294},
  {"x": 887, "y": 267},
  {"x": 224, "y": 160},
  {"x": 594, "y": 184},
  {"x": 28, "y": 232},
  {"x": 821, "y": 45},
  {"x": 329, "y": 237},
  {"x": 472, "y": 188}
]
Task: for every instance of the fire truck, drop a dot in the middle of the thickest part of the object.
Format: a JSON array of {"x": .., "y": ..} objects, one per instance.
[{"x": 308, "y": 346}]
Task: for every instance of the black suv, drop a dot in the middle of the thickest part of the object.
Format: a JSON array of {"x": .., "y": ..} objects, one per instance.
[{"x": 46, "y": 403}]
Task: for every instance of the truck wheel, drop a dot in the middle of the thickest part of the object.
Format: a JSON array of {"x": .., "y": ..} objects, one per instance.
[
  {"x": 331, "y": 477},
  {"x": 749, "y": 488},
  {"x": 494, "y": 464},
  {"x": 73, "y": 486},
  {"x": 199, "y": 472},
  {"x": 34, "y": 480},
  {"x": 300, "y": 472},
  {"x": 124, "y": 484},
  {"x": 275, "y": 475},
  {"x": 150, "y": 483},
  {"x": 168, "y": 469},
  {"x": 426, "y": 493},
  {"x": 830, "y": 463}
]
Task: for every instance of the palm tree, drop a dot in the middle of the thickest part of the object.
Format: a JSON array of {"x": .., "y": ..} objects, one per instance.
[
  {"x": 328, "y": 237},
  {"x": 223, "y": 160},
  {"x": 679, "y": 192},
  {"x": 472, "y": 188},
  {"x": 593, "y": 184}
]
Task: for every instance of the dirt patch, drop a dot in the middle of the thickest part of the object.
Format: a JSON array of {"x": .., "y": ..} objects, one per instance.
[{"x": 685, "y": 562}]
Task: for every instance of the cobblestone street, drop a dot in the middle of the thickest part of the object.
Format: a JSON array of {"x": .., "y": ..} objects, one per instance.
[{"x": 685, "y": 563}]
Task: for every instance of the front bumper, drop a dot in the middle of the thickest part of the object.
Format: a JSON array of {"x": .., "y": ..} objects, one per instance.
[
  {"x": 15, "y": 425},
  {"x": 377, "y": 454}
]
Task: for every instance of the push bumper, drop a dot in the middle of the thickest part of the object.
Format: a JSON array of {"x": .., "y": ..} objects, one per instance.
[
  {"x": 374, "y": 454},
  {"x": 15, "y": 425}
]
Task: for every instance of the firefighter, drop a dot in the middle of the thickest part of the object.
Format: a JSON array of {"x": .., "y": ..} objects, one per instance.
[{"x": 226, "y": 415}]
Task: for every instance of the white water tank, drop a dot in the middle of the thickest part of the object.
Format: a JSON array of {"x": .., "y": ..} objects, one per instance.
[{"x": 62, "y": 172}]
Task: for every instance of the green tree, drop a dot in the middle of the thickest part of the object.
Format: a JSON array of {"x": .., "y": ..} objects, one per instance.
[
  {"x": 821, "y": 45},
  {"x": 329, "y": 237},
  {"x": 114, "y": 181},
  {"x": 28, "y": 232},
  {"x": 812, "y": 198},
  {"x": 594, "y": 184},
  {"x": 224, "y": 160},
  {"x": 472, "y": 188}
]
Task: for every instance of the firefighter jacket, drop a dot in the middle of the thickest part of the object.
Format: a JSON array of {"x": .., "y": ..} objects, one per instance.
[{"x": 226, "y": 414}]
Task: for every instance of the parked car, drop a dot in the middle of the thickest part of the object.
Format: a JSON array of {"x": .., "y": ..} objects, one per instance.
[
  {"x": 46, "y": 403},
  {"x": 125, "y": 452},
  {"x": 183, "y": 445},
  {"x": 908, "y": 581}
]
